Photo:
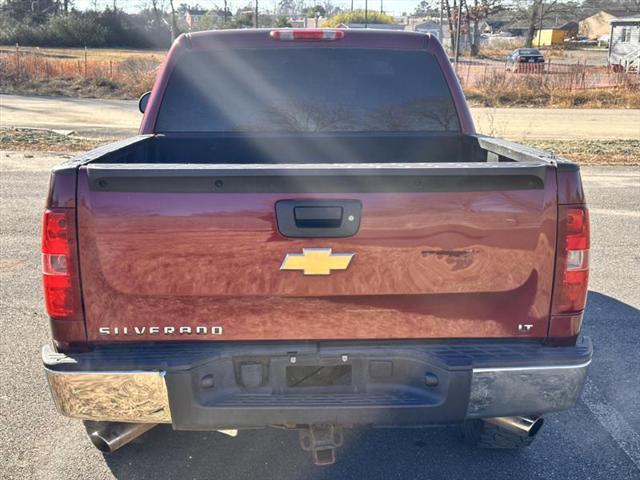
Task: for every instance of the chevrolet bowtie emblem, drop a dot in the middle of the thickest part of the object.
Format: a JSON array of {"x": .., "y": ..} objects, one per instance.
[{"x": 316, "y": 261}]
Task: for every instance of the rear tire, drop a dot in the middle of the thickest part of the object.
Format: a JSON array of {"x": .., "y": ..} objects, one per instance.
[{"x": 479, "y": 433}]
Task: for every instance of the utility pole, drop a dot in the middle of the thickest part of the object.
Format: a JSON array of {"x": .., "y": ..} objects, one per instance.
[
  {"x": 457, "y": 53},
  {"x": 225, "y": 13},
  {"x": 352, "y": 5},
  {"x": 173, "y": 25},
  {"x": 366, "y": 13},
  {"x": 540, "y": 29},
  {"x": 441, "y": 20},
  {"x": 381, "y": 6},
  {"x": 256, "y": 14}
]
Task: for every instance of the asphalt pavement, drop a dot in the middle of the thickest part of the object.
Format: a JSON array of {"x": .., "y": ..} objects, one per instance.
[
  {"x": 113, "y": 118},
  {"x": 598, "y": 439}
]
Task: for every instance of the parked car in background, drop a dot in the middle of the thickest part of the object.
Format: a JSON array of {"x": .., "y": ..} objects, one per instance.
[
  {"x": 525, "y": 60},
  {"x": 581, "y": 42}
]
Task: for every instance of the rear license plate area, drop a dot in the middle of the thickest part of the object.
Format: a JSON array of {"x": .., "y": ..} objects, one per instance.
[{"x": 299, "y": 376}]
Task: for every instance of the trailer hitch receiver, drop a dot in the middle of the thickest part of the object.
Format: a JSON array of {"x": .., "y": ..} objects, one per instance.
[{"x": 322, "y": 441}]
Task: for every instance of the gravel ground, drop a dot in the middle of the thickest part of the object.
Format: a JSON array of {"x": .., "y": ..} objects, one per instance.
[{"x": 600, "y": 438}]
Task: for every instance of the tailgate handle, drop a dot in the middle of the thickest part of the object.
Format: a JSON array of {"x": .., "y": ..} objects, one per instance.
[{"x": 318, "y": 218}]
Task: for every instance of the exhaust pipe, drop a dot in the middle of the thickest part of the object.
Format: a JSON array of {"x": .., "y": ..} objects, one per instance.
[
  {"x": 525, "y": 426},
  {"x": 110, "y": 436}
]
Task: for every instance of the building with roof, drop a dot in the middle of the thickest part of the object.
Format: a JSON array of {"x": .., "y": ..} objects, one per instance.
[
  {"x": 598, "y": 24},
  {"x": 493, "y": 26},
  {"x": 624, "y": 44},
  {"x": 377, "y": 26},
  {"x": 192, "y": 17},
  {"x": 429, "y": 27},
  {"x": 547, "y": 37}
]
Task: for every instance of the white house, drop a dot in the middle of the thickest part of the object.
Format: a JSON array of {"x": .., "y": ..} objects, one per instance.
[{"x": 624, "y": 44}]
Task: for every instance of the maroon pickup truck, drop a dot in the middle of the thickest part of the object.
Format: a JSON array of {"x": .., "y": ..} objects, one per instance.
[{"x": 309, "y": 234}]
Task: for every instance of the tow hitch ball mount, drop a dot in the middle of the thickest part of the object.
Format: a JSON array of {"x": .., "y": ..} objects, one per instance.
[{"x": 322, "y": 441}]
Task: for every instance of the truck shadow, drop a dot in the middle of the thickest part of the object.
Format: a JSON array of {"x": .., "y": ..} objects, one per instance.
[{"x": 395, "y": 453}]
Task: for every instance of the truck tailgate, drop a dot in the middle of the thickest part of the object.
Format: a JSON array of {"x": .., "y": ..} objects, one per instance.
[{"x": 442, "y": 250}]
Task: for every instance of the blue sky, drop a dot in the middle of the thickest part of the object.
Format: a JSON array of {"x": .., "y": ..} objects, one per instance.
[{"x": 393, "y": 7}]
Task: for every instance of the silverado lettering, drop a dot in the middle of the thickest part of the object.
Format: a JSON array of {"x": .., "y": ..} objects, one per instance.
[
  {"x": 167, "y": 330},
  {"x": 326, "y": 194}
]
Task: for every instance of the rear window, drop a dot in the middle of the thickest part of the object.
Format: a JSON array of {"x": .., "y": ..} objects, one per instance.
[{"x": 307, "y": 90}]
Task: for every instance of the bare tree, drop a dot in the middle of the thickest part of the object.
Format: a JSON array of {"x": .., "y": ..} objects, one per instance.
[
  {"x": 156, "y": 11},
  {"x": 533, "y": 21},
  {"x": 472, "y": 13},
  {"x": 174, "y": 25},
  {"x": 330, "y": 7},
  {"x": 476, "y": 13},
  {"x": 450, "y": 9}
]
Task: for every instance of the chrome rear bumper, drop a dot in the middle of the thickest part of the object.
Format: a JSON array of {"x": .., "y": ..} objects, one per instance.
[
  {"x": 139, "y": 397},
  {"x": 144, "y": 395},
  {"x": 501, "y": 392}
]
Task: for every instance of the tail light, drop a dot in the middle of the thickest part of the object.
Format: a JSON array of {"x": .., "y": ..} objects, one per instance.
[
  {"x": 306, "y": 35},
  {"x": 572, "y": 272},
  {"x": 572, "y": 266},
  {"x": 59, "y": 265}
]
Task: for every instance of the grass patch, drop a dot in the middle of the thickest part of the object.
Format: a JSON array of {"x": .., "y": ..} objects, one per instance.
[
  {"x": 78, "y": 87},
  {"x": 45, "y": 140},
  {"x": 101, "y": 54},
  {"x": 611, "y": 97},
  {"x": 68, "y": 87},
  {"x": 66, "y": 75},
  {"x": 593, "y": 152}
]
